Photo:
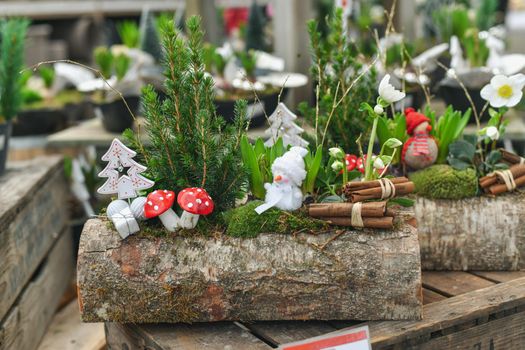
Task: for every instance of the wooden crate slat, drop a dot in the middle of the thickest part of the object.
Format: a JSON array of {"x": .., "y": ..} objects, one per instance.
[
  {"x": 210, "y": 336},
  {"x": 33, "y": 212},
  {"x": 499, "y": 276},
  {"x": 452, "y": 283},
  {"x": 287, "y": 332},
  {"x": 505, "y": 333},
  {"x": 429, "y": 296},
  {"x": 28, "y": 319},
  {"x": 463, "y": 309},
  {"x": 67, "y": 332}
]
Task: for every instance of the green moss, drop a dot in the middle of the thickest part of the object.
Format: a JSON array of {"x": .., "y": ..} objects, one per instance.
[
  {"x": 444, "y": 182},
  {"x": 245, "y": 222}
]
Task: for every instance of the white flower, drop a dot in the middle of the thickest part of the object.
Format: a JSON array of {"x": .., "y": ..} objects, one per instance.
[
  {"x": 492, "y": 133},
  {"x": 336, "y": 152},
  {"x": 388, "y": 92},
  {"x": 378, "y": 163},
  {"x": 379, "y": 109},
  {"x": 337, "y": 165},
  {"x": 504, "y": 91}
]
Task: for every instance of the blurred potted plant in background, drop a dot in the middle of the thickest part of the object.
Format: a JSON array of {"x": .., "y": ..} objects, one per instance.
[{"x": 13, "y": 32}]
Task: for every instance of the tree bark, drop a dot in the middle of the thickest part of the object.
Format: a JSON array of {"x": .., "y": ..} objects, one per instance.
[
  {"x": 361, "y": 274},
  {"x": 481, "y": 233}
]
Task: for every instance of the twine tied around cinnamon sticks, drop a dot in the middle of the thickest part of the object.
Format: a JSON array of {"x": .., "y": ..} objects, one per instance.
[
  {"x": 388, "y": 189},
  {"x": 357, "y": 219},
  {"x": 359, "y": 191},
  {"x": 504, "y": 180}
]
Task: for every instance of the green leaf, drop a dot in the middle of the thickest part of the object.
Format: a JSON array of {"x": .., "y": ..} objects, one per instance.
[
  {"x": 458, "y": 164},
  {"x": 403, "y": 201},
  {"x": 312, "y": 171},
  {"x": 494, "y": 157},
  {"x": 462, "y": 150},
  {"x": 332, "y": 199},
  {"x": 251, "y": 163}
]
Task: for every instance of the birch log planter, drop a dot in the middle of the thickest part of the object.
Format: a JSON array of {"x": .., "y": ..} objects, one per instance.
[
  {"x": 479, "y": 233},
  {"x": 365, "y": 275}
]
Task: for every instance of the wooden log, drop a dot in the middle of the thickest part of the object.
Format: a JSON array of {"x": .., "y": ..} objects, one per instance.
[
  {"x": 480, "y": 233},
  {"x": 362, "y": 274},
  {"x": 26, "y": 322},
  {"x": 33, "y": 212}
]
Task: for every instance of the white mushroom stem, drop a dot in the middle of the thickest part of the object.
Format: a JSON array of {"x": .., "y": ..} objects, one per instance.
[
  {"x": 188, "y": 220},
  {"x": 170, "y": 220}
]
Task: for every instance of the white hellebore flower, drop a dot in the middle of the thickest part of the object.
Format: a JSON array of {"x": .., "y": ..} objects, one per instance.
[
  {"x": 388, "y": 92},
  {"x": 378, "y": 163},
  {"x": 492, "y": 133},
  {"x": 504, "y": 91}
]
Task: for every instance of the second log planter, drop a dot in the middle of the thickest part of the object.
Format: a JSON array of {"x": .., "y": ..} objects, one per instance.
[
  {"x": 480, "y": 233},
  {"x": 352, "y": 274}
]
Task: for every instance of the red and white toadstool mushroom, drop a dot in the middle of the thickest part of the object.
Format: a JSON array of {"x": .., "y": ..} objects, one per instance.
[
  {"x": 195, "y": 202},
  {"x": 158, "y": 203}
]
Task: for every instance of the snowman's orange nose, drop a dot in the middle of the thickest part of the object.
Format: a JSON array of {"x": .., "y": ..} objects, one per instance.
[{"x": 277, "y": 178}]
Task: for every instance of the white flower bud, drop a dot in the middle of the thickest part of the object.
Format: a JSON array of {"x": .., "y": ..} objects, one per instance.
[
  {"x": 492, "y": 133},
  {"x": 337, "y": 166},
  {"x": 378, "y": 163},
  {"x": 336, "y": 152},
  {"x": 379, "y": 109}
]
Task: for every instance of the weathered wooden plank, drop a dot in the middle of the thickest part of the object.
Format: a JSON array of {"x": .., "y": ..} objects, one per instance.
[
  {"x": 499, "y": 276},
  {"x": 430, "y": 296},
  {"x": 212, "y": 336},
  {"x": 451, "y": 315},
  {"x": 27, "y": 321},
  {"x": 481, "y": 233},
  {"x": 360, "y": 275},
  {"x": 67, "y": 332},
  {"x": 32, "y": 214},
  {"x": 504, "y": 333},
  {"x": 286, "y": 332},
  {"x": 451, "y": 283}
]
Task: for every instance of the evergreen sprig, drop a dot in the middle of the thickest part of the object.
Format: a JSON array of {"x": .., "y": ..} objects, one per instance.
[
  {"x": 335, "y": 68},
  {"x": 190, "y": 144},
  {"x": 13, "y": 33}
]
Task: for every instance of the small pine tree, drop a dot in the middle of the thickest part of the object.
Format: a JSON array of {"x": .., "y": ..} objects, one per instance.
[
  {"x": 336, "y": 67},
  {"x": 190, "y": 145},
  {"x": 255, "y": 29},
  {"x": 149, "y": 38},
  {"x": 13, "y": 33}
]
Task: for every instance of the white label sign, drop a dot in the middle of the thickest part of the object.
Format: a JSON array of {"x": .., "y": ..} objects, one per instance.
[{"x": 349, "y": 339}]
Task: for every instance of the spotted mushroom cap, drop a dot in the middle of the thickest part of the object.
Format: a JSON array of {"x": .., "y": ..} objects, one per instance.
[
  {"x": 158, "y": 202},
  {"x": 195, "y": 200}
]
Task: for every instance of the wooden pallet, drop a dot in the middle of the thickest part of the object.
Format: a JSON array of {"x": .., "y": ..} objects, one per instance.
[
  {"x": 477, "y": 310},
  {"x": 36, "y": 249}
]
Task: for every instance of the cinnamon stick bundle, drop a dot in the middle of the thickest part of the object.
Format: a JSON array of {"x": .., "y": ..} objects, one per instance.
[
  {"x": 362, "y": 185},
  {"x": 386, "y": 222},
  {"x": 371, "y": 209},
  {"x": 517, "y": 170},
  {"x": 511, "y": 158},
  {"x": 402, "y": 188},
  {"x": 502, "y": 188}
]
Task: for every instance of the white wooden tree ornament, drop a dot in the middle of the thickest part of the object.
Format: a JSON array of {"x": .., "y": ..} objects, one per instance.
[
  {"x": 126, "y": 186},
  {"x": 282, "y": 125},
  {"x": 119, "y": 157}
]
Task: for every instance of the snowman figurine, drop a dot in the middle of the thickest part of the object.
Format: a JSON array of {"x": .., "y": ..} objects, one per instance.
[
  {"x": 420, "y": 150},
  {"x": 288, "y": 175}
]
